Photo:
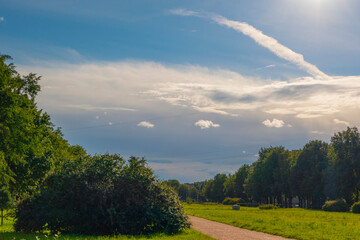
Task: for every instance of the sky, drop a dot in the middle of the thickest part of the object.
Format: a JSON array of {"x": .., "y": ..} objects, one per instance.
[{"x": 195, "y": 87}]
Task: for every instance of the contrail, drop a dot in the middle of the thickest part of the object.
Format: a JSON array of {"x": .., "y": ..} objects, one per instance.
[{"x": 268, "y": 42}]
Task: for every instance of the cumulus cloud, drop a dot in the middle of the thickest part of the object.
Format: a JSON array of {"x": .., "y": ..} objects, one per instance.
[
  {"x": 145, "y": 124},
  {"x": 276, "y": 123},
  {"x": 203, "y": 124},
  {"x": 341, "y": 122}
]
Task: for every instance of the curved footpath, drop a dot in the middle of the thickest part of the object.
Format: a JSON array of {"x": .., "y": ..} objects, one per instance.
[{"x": 223, "y": 231}]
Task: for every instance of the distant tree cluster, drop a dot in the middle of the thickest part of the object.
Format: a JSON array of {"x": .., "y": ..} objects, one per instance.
[{"x": 316, "y": 173}]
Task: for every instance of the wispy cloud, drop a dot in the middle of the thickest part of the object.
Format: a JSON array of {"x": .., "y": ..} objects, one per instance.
[
  {"x": 263, "y": 40},
  {"x": 183, "y": 12},
  {"x": 341, "y": 122},
  {"x": 270, "y": 66},
  {"x": 145, "y": 124},
  {"x": 203, "y": 124},
  {"x": 2, "y": 19},
  {"x": 272, "y": 44},
  {"x": 275, "y": 123},
  {"x": 138, "y": 86},
  {"x": 90, "y": 107}
]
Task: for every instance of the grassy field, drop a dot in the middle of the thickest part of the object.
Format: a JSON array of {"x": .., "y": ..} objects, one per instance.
[
  {"x": 7, "y": 233},
  {"x": 292, "y": 223}
]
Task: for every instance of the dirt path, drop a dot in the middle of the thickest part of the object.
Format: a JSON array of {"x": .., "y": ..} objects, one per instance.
[{"x": 223, "y": 231}]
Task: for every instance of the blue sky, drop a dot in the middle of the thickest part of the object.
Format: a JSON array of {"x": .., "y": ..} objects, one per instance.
[{"x": 197, "y": 87}]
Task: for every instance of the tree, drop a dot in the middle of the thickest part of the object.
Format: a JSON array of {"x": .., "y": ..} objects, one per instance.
[
  {"x": 5, "y": 201},
  {"x": 214, "y": 188},
  {"x": 345, "y": 153},
  {"x": 310, "y": 174},
  {"x": 234, "y": 184},
  {"x": 173, "y": 183},
  {"x": 30, "y": 147},
  {"x": 268, "y": 181}
]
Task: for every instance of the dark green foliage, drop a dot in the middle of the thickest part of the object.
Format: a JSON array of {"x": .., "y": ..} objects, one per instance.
[
  {"x": 30, "y": 147},
  {"x": 267, "y": 207},
  {"x": 309, "y": 173},
  {"x": 234, "y": 184},
  {"x": 102, "y": 195},
  {"x": 5, "y": 201},
  {"x": 335, "y": 206},
  {"x": 231, "y": 201},
  {"x": 214, "y": 188},
  {"x": 345, "y": 153},
  {"x": 355, "y": 208},
  {"x": 173, "y": 183}
]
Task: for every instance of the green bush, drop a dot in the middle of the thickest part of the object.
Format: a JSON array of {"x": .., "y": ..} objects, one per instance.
[
  {"x": 355, "y": 208},
  {"x": 267, "y": 206},
  {"x": 231, "y": 201},
  {"x": 102, "y": 195},
  {"x": 253, "y": 204},
  {"x": 335, "y": 206}
]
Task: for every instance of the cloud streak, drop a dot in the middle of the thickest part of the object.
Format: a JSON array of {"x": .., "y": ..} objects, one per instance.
[{"x": 263, "y": 40}]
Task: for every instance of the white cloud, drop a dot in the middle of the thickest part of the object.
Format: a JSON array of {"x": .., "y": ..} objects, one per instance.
[
  {"x": 138, "y": 86},
  {"x": 203, "y": 124},
  {"x": 276, "y": 123},
  {"x": 270, "y": 66},
  {"x": 146, "y": 124},
  {"x": 2, "y": 19},
  {"x": 316, "y": 132},
  {"x": 341, "y": 122},
  {"x": 90, "y": 107},
  {"x": 183, "y": 12},
  {"x": 272, "y": 44},
  {"x": 243, "y": 151},
  {"x": 110, "y": 123}
]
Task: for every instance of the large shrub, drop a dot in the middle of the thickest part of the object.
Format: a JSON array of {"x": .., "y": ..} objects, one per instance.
[
  {"x": 102, "y": 195},
  {"x": 335, "y": 206},
  {"x": 355, "y": 208}
]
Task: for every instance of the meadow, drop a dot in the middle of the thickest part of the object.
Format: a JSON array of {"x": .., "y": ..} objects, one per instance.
[
  {"x": 287, "y": 222},
  {"x": 7, "y": 233}
]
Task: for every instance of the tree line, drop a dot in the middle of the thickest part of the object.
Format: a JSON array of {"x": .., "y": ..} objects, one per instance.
[{"x": 316, "y": 173}]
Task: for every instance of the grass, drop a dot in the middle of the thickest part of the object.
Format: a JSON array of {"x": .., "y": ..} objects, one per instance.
[
  {"x": 292, "y": 223},
  {"x": 7, "y": 233}
]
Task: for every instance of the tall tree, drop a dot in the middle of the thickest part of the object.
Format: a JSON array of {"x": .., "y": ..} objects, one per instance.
[
  {"x": 234, "y": 184},
  {"x": 345, "y": 152},
  {"x": 30, "y": 147},
  {"x": 310, "y": 174},
  {"x": 214, "y": 188}
]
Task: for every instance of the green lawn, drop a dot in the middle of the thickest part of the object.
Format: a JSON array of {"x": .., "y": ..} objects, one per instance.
[
  {"x": 292, "y": 223},
  {"x": 7, "y": 233}
]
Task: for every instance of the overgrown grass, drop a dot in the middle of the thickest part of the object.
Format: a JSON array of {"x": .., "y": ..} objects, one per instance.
[
  {"x": 291, "y": 223},
  {"x": 7, "y": 233}
]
